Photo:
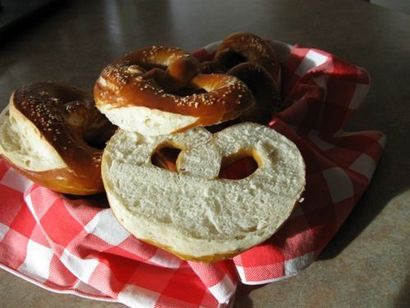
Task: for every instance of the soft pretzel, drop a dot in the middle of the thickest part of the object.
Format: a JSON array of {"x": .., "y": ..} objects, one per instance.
[
  {"x": 244, "y": 47},
  {"x": 196, "y": 211},
  {"x": 53, "y": 134},
  {"x": 157, "y": 91},
  {"x": 261, "y": 84},
  {"x": 252, "y": 60}
]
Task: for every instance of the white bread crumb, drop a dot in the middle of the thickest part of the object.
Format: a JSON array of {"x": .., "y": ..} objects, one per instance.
[{"x": 193, "y": 213}]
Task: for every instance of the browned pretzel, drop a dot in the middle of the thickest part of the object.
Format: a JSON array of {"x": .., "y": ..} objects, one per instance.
[{"x": 68, "y": 120}]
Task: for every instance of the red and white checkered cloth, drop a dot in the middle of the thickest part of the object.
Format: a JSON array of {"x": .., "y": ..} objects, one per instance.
[{"x": 77, "y": 247}]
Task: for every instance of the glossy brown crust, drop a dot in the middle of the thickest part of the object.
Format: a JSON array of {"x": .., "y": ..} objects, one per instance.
[
  {"x": 212, "y": 98},
  {"x": 171, "y": 67},
  {"x": 68, "y": 120},
  {"x": 63, "y": 180},
  {"x": 252, "y": 60},
  {"x": 247, "y": 47},
  {"x": 262, "y": 86}
]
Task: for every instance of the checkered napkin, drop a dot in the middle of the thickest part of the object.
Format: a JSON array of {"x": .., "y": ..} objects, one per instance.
[{"x": 76, "y": 246}]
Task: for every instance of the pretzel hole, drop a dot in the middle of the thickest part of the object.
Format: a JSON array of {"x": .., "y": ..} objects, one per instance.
[
  {"x": 231, "y": 59},
  {"x": 165, "y": 157},
  {"x": 189, "y": 91},
  {"x": 150, "y": 66},
  {"x": 170, "y": 86},
  {"x": 239, "y": 165},
  {"x": 97, "y": 139}
]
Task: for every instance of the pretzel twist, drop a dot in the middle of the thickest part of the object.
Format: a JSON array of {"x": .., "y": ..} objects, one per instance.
[
  {"x": 252, "y": 60},
  {"x": 165, "y": 81},
  {"x": 69, "y": 133}
]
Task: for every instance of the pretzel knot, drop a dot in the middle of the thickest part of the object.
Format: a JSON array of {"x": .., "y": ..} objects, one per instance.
[
  {"x": 54, "y": 135},
  {"x": 252, "y": 60},
  {"x": 158, "y": 90}
]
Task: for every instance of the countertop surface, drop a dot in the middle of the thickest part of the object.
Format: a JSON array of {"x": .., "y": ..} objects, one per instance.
[{"x": 367, "y": 264}]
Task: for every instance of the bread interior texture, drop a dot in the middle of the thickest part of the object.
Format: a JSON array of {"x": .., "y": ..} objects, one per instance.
[
  {"x": 23, "y": 144},
  {"x": 192, "y": 211}
]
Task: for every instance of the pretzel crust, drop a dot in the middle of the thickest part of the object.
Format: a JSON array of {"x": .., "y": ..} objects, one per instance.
[
  {"x": 167, "y": 80},
  {"x": 65, "y": 119}
]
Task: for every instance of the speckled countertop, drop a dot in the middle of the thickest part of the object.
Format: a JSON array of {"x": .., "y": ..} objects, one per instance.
[{"x": 367, "y": 264}]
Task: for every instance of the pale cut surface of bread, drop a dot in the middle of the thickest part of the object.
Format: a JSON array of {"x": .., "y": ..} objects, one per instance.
[
  {"x": 193, "y": 213},
  {"x": 146, "y": 121},
  {"x": 23, "y": 144}
]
